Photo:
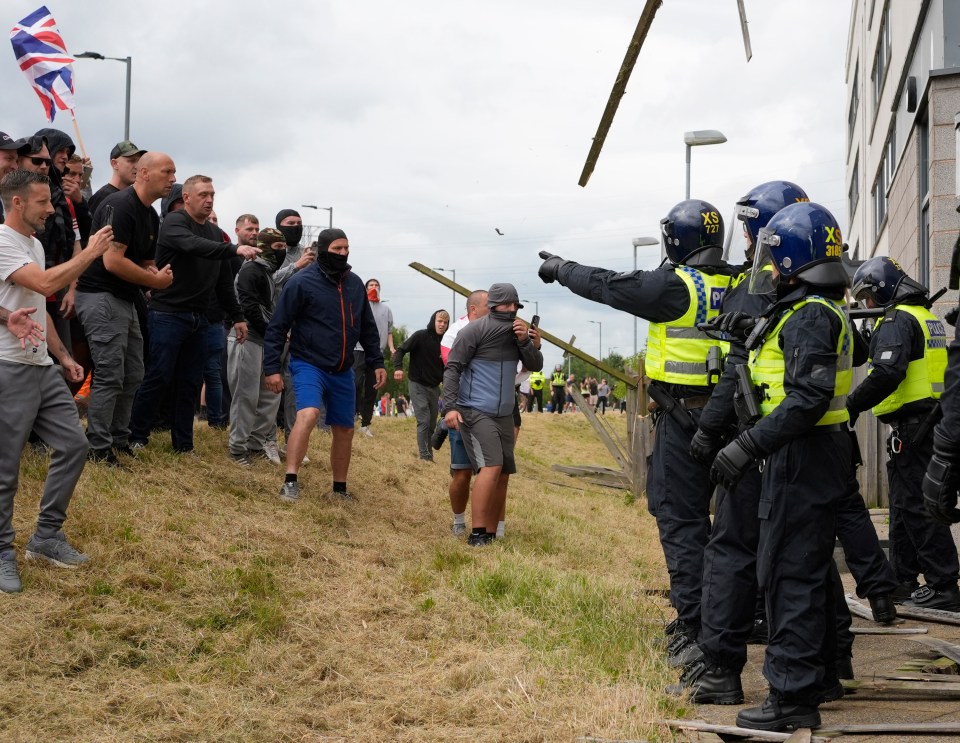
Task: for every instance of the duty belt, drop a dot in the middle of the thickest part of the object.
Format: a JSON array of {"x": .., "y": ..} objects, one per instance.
[
  {"x": 694, "y": 403},
  {"x": 830, "y": 428}
]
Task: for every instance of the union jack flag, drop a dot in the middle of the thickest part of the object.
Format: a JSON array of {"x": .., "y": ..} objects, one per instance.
[{"x": 43, "y": 58}]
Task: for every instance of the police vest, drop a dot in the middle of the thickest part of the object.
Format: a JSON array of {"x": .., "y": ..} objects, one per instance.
[
  {"x": 924, "y": 375},
  {"x": 558, "y": 380},
  {"x": 676, "y": 350},
  {"x": 767, "y": 366},
  {"x": 537, "y": 380}
]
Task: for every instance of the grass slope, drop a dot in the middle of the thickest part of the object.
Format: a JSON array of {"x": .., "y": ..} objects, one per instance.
[{"x": 213, "y": 611}]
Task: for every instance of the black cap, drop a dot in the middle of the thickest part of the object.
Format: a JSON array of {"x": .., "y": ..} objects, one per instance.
[{"x": 9, "y": 143}]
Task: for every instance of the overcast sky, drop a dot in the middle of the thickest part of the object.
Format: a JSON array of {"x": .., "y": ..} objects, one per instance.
[{"x": 426, "y": 125}]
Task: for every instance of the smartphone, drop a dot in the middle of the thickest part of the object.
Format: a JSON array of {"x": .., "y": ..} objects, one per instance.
[
  {"x": 535, "y": 322},
  {"x": 107, "y": 215}
]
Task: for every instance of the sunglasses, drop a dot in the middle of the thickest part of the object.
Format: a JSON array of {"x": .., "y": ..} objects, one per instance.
[{"x": 40, "y": 161}]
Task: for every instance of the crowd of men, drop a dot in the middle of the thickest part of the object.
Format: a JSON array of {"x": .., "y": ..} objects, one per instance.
[
  {"x": 751, "y": 376},
  {"x": 751, "y": 370}
]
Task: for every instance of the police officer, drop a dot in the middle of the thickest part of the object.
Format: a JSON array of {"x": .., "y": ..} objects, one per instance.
[
  {"x": 729, "y": 616},
  {"x": 558, "y": 386},
  {"x": 941, "y": 483},
  {"x": 537, "y": 383},
  {"x": 908, "y": 357},
  {"x": 674, "y": 299},
  {"x": 801, "y": 359}
]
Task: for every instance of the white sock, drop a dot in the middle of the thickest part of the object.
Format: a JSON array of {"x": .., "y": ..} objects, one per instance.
[
  {"x": 458, "y": 519},
  {"x": 500, "y": 528}
]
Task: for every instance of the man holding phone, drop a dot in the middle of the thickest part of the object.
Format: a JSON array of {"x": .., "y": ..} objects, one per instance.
[{"x": 106, "y": 304}]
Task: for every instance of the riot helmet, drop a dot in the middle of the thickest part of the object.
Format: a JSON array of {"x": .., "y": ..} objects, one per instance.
[
  {"x": 757, "y": 208},
  {"x": 802, "y": 240},
  {"x": 885, "y": 282},
  {"x": 692, "y": 233}
]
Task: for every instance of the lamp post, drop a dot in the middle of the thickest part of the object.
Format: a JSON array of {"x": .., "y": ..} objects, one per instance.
[
  {"x": 696, "y": 139},
  {"x": 637, "y": 243},
  {"x": 599, "y": 324},
  {"x": 321, "y": 208},
  {"x": 454, "y": 272},
  {"x": 128, "y": 61},
  {"x": 536, "y": 305}
]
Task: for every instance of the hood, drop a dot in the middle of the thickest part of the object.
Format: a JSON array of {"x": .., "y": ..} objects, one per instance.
[
  {"x": 57, "y": 140},
  {"x": 176, "y": 193},
  {"x": 431, "y": 326}
]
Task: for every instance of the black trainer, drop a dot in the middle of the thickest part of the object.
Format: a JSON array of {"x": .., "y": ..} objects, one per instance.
[
  {"x": 709, "y": 685},
  {"x": 103, "y": 456},
  {"x": 883, "y": 608},
  {"x": 777, "y": 716},
  {"x": 481, "y": 540},
  {"x": 929, "y": 598}
]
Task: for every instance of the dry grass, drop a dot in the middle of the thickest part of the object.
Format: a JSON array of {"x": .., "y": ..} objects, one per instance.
[{"x": 213, "y": 611}]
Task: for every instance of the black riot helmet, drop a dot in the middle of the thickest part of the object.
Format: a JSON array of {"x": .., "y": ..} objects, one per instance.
[{"x": 692, "y": 233}]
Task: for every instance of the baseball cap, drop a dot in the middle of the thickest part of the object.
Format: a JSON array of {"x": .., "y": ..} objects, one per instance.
[
  {"x": 126, "y": 148},
  {"x": 9, "y": 143},
  {"x": 503, "y": 294}
]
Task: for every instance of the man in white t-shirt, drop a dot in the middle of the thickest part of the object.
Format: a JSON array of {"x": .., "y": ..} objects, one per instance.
[{"x": 33, "y": 394}]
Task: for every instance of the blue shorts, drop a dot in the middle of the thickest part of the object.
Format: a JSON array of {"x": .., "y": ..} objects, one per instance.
[
  {"x": 458, "y": 454},
  {"x": 315, "y": 388}
]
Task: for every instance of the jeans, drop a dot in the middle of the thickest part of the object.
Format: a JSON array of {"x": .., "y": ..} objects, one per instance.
[
  {"x": 178, "y": 342},
  {"x": 212, "y": 378}
]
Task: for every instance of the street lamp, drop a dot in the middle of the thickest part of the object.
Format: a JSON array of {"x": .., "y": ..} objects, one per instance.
[
  {"x": 454, "y": 272},
  {"x": 639, "y": 242},
  {"x": 696, "y": 139},
  {"x": 536, "y": 305},
  {"x": 321, "y": 208},
  {"x": 599, "y": 324},
  {"x": 129, "y": 63}
]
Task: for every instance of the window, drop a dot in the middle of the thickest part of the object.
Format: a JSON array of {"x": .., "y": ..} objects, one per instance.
[
  {"x": 881, "y": 60},
  {"x": 923, "y": 196},
  {"x": 853, "y": 195},
  {"x": 882, "y": 183},
  {"x": 854, "y": 104}
]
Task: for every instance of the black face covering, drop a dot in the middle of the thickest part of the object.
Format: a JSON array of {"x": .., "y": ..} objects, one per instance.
[
  {"x": 332, "y": 263},
  {"x": 292, "y": 233},
  {"x": 273, "y": 258},
  {"x": 504, "y": 315}
]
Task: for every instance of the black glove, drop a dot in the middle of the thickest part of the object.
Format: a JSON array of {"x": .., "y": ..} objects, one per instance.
[
  {"x": 551, "y": 267},
  {"x": 951, "y": 316},
  {"x": 704, "y": 446},
  {"x": 942, "y": 482},
  {"x": 736, "y": 324},
  {"x": 854, "y": 415},
  {"x": 733, "y": 460}
]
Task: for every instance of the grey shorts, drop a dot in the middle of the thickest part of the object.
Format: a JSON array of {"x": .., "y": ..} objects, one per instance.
[{"x": 488, "y": 440}]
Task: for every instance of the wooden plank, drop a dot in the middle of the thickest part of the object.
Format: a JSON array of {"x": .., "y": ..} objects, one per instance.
[
  {"x": 619, "y": 87},
  {"x": 864, "y": 612},
  {"x": 733, "y": 730},
  {"x": 586, "y": 469},
  {"x": 621, "y": 457},
  {"x": 893, "y": 728},
  {"x": 946, "y": 649},
  {"x": 889, "y": 630},
  {"x": 950, "y": 688},
  {"x": 927, "y": 678},
  {"x": 929, "y": 615}
]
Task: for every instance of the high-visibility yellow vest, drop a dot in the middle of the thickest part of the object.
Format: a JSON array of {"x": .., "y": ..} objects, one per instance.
[
  {"x": 767, "y": 365},
  {"x": 924, "y": 375},
  {"x": 558, "y": 380},
  {"x": 676, "y": 350},
  {"x": 537, "y": 380}
]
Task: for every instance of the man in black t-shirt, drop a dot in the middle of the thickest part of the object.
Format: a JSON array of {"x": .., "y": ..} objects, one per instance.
[
  {"x": 124, "y": 160},
  {"x": 194, "y": 248},
  {"x": 106, "y": 303}
]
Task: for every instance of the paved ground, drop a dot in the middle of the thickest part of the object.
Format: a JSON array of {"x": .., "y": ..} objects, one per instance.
[{"x": 873, "y": 655}]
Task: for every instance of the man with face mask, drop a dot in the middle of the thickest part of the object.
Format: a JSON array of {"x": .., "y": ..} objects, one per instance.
[
  {"x": 365, "y": 381},
  {"x": 253, "y": 409},
  {"x": 291, "y": 225},
  {"x": 325, "y": 310},
  {"x": 479, "y": 397}
]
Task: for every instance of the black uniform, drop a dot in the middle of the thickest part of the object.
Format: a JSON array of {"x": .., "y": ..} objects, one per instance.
[
  {"x": 806, "y": 471},
  {"x": 678, "y": 487},
  {"x": 917, "y": 543}
]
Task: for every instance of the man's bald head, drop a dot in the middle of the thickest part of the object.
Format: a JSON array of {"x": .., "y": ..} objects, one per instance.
[
  {"x": 477, "y": 304},
  {"x": 156, "y": 175}
]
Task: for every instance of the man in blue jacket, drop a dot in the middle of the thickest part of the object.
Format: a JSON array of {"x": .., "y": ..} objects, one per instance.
[{"x": 325, "y": 309}]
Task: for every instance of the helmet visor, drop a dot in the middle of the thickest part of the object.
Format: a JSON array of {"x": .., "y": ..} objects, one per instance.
[{"x": 764, "y": 277}]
